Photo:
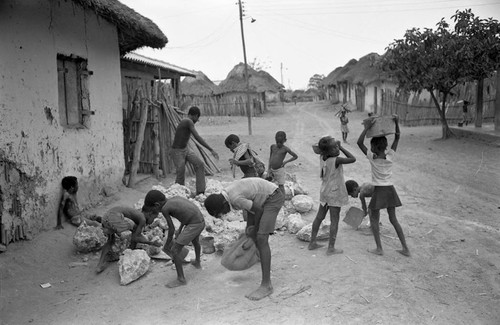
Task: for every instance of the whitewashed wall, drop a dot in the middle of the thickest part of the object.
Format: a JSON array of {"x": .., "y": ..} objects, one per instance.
[{"x": 33, "y": 144}]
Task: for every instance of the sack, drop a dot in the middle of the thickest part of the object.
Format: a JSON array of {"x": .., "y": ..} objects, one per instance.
[
  {"x": 240, "y": 254},
  {"x": 259, "y": 165}
]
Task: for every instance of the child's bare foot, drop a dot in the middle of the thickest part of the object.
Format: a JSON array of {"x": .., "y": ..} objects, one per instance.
[
  {"x": 100, "y": 268},
  {"x": 314, "y": 245},
  {"x": 260, "y": 293},
  {"x": 333, "y": 251},
  {"x": 376, "y": 251},
  {"x": 176, "y": 283},
  {"x": 404, "y": 252},
  {"x": 196, "y": 264}
]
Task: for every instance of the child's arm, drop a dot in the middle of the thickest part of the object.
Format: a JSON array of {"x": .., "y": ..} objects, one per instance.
[
  {"x": 247, "y": 162},
  {"x": 171, "y": 230},
  {"x": 60, "y": 213},
  {"x": 361, "y": 138},
  {"x": 396, "y": 136},
  {"x": 270, "y": 156},
  {"x": 293, "y": 154},
  {"x": 363, "y": 203},
  {"x": 137, "y": 236},
  {"x": 349, "y": 157}
]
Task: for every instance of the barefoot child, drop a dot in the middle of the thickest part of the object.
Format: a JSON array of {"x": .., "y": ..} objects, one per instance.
[
  {"x": 192, "y": 224},
  {"x": 117, "y": 220},
  {"x": 344, "y": 120},
  {"x": 263, "y": 201},
  {"x": 333, "y": 193},
  {"x": 277, "y": 160},
  {"x": 68, "y": 207},
  {"x": 363, "y": 191},
  {"x": 384, "y": 194}
]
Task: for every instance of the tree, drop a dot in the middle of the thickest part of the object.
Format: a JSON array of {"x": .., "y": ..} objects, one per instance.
[
  {"x": 316, "y": 82},
  {"x": 482, "y": 50},
  {"x": 427, "y": 60},
  {"x": 259, "y": 65}
]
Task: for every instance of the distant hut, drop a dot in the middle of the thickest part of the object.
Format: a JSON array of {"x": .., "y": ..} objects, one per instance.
[
  {"x": 199, "y": 91},
  {"x": 234, "y": 90}
]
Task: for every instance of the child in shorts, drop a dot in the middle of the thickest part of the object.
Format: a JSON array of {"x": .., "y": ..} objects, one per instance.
[
  {"x": 192, "y": 224},
  {"x": 363, "y": 191},
  {"x": 277, "y": 162}
]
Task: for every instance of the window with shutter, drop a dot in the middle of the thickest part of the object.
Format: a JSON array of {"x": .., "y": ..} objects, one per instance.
[{"x": 74, "y": 101}]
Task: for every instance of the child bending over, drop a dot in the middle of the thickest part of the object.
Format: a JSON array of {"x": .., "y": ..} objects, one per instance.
[
  {"x": 363, "y": 191},
  {"x": 242, "y": 156},
  {"x": 277, "y": 160},
  {"x": 120, "y": 219},
  {"x": 192, "y": 224},
  {"x": 333, "y": 193},
  {"x": 68, "y": 207},
  {"x": 384, "y": 194}
]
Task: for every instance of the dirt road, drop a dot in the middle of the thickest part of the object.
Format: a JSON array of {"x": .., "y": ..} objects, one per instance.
[{"x": 450, "y": 192}]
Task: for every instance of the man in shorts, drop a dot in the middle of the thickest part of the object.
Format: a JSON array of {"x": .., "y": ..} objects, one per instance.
[
  {"x": 192, "y": 224},
  {"x": 117, "y": 220},
  {"x": 263, "y": 201}
]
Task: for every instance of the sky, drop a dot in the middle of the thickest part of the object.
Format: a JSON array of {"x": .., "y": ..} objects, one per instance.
[{"x": 292, "y": 40}]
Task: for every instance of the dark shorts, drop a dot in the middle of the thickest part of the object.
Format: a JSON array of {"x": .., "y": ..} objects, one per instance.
[
  {"x": 190, "y": 232},
  {"x": 115, "y": 222},
  {"x": 272, "y": 207},
  {"x": 384, "y": 197}
]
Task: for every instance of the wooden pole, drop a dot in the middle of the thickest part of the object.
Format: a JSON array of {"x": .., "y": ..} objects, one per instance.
[
  {"x": 138, "y": 144},
  {"x": 249, "y": 107},
  {"x": 497, "y": 101}
]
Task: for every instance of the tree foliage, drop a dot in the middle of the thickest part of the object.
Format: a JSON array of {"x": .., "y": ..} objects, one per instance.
[{"x": 437, "y": 60}]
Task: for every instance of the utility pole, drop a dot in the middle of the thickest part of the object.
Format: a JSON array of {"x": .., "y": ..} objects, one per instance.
[{"x": 249, "y": 107}]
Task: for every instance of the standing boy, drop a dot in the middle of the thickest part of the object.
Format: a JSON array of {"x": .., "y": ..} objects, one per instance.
[
  {"x": 263, "y": 201},
  {"x": 192, "y": 224},
  {"x": 117, "y": 220},
  {"x": 277, "y": 161},
  {"x": 181, "y": 152}
]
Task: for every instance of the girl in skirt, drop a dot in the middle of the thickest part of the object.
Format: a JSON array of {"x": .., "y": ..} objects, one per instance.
[{"x": 384, "y": 194}]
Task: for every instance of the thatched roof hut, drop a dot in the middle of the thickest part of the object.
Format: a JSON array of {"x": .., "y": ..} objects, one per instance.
[
  {"x": 199, "y": 85},
  {"x": 365, "y": 71},
  {"x": 134, "y": 30},
  {"x": 338, "y": 74},
  {"x": 259, "y": 81}
]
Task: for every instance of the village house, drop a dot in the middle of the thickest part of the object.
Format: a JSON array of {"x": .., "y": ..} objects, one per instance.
[{"x": 61, "y": 103}]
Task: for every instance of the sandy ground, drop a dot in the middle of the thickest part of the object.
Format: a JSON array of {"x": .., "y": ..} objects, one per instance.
[{"x": 450, "y": 192}]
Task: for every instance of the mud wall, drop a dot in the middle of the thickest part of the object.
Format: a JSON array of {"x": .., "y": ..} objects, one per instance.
[{"x": 36, "y": 151}]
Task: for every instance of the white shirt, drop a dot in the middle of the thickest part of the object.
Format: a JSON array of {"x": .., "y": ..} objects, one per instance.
[
  {"x": 241, "y": 194},
  {"x": 381, "y": 168}
]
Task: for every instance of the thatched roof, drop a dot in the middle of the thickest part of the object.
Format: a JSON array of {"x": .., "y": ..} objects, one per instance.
[
  {"x": 134, "y": 30},
  {"x": 362, "y": 72},
  {"x": 259, "y": 81},
  {"x": 366, "y": 71},
  {"x": 200, "y": 85}
]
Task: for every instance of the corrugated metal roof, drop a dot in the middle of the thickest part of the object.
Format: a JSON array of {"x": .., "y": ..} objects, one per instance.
[{"x": 138, "y": 58}]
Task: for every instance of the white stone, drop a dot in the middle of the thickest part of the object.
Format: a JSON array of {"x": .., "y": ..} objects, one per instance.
[
  {"x": 302, "y": 203},
  {"x": 304, "y": 234},
  {"x": 89, "y": 238},
  {"x": 132, "y": 265},
  {"x": 295, "y": 223}
]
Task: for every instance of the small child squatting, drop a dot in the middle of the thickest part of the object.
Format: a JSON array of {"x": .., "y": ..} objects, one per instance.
[
  {"x": 69, "y": 208},
  {"x": 333, "y": 193},
  {"x": 384, "y": 194}
]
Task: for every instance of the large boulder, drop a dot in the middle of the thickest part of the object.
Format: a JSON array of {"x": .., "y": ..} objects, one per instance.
[
  {"x": 281, "y": 219},
  {"x": 295, "y": 223},
  {"x": 304, "y": 234},
  {"x": 132, "y": 265},
  {"x": 89, "y": 238},
  {"x": 302, "y": 203}
]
